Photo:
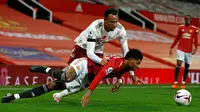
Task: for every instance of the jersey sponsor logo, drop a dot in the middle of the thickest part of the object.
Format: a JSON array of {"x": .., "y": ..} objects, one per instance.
[
  {"x": 77, "y": 61},
  {"x": 186, "y": 35},
  {"x": 109, "y": 70}
]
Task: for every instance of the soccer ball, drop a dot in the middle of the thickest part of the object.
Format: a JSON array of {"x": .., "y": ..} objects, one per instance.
[{"x": 183, "y": 97}]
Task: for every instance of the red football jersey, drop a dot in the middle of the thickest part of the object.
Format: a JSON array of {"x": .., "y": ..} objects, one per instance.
[
  {"x": 186, "y": 36},
  {"x": 114, "y": 68}
]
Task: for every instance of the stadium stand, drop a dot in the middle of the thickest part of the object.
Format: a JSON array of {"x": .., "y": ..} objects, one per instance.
[
  {"x": 143, "y": 39},
  {"x": 72, "y": 20},
  {"x": 27, "y": 39},
  {"x": 177, "y": 7},
  {"x": 23, "y": 39}
]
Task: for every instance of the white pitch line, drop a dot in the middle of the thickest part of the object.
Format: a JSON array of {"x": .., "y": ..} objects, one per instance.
[{"x": 123, "y": 87}]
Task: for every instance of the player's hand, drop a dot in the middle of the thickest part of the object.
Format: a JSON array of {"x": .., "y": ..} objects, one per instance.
[
  {"x": 116, "y": 88},
  {"x": 137, "y": 80},
  {"x": 85, "y": 99},
  {"x": 104, "y": 61},
  {"x": 170, "y": 52},
  {"x": 194, "y": 51}
]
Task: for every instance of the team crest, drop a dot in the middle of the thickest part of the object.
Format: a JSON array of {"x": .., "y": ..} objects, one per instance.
[
  {"x": 109, "y": 70},
  {"x": 190, "y": 30}
]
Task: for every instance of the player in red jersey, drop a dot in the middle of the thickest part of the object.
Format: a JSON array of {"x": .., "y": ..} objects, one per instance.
[
  {"x": 77, "y": 77},
  {"x": 187, "y": 34},
  {"x": 114, "y": 68}
]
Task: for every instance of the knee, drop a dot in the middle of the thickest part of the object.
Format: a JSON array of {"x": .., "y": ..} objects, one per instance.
[
  {"x": 179, "y": 63},
  {"x": 56, "y": 85},
  {"x": 187, "y": 66}
]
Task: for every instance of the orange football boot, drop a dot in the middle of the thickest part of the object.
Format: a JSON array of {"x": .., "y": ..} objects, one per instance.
[
  {"x": 183, "y": 86},
  {"x": 175, "y": 86}
]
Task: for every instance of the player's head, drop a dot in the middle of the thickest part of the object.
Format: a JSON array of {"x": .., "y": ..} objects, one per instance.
[
  {"x": 187, "y": 19},
  {"x": 134, "y": 58},
  {"x": 110, "y": 19}
]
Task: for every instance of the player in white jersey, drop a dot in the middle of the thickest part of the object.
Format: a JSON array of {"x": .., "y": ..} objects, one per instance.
[
  {"x": 94, "y": 37},
  {"x": 90, "y": 42}
]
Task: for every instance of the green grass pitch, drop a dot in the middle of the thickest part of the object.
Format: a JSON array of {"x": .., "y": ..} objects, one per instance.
[{"x": 130, "y": 98}]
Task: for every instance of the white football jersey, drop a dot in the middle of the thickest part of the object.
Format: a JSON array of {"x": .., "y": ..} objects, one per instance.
[{"x": 97, "y": 32}]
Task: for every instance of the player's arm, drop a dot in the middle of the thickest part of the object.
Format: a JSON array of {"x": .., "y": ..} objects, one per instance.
[
  {"x": 93, "y": 85},
  {"x": 137, "y": 80},
  {"x": 195, "y": 42},
  {"x": 175, "y": 41},
  {"x": 124, "y": 46},
  {"x": 123, "y": 41},
  {"x": 91, "y": 41},
  {"x": 117, "y": 85}
]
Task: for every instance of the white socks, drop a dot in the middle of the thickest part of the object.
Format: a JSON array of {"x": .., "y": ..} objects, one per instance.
[
  {"x": 16, "y": 96},
  {"x": 47, "y": 69}
]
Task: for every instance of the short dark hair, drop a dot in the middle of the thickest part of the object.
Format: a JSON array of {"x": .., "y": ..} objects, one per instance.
[
  {"x": 112, "y": 11},
  {"x": 188, "y": 16},
  {"x": 134, "y": 53}
]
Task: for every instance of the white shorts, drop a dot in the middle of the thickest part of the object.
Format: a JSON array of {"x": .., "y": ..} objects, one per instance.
[
  {"x": 183, "y": 56},
  {"x": 81, "y": 68}
]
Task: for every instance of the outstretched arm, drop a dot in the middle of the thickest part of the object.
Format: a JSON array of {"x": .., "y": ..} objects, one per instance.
[
  {"x": 93, "y": 85},
  {"x": 117, "y": 85},
  {"x": 137, "y": 80},
  {"x": 124, "y": 46}
]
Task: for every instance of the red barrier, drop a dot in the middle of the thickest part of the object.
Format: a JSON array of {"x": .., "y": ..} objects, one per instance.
[
  {"x": 157, "y": 76},
  {"x": 167, "y": 18},
  {"x": 20, "y": 75}
]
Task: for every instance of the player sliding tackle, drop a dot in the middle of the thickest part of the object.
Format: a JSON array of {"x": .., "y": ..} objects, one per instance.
[{"x": 75, "y": 79}]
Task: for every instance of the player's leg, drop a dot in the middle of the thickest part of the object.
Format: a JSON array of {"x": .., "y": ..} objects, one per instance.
[
  {"x": 79, "y": 84},
  {"x": 36, "y": 91},
  {"x": 56, "y": 73},
  {"x": 71, "y": 87},
  {"x": 188, "y": 62},
  {"x": 77, "y": 52},
  {"x": 180, "y": 58}
]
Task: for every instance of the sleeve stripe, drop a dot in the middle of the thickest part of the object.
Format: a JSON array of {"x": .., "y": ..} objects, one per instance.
[{"x": 91, "y": 40}]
